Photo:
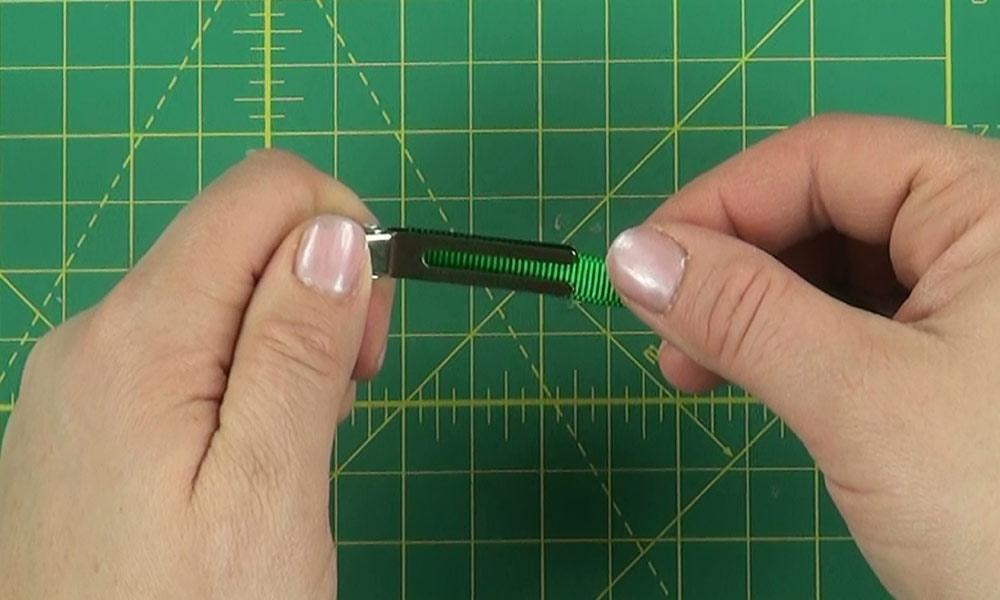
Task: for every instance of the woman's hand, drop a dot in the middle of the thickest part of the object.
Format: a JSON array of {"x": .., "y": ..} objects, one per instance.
[
  {"x": 174, "y": 441},
  {"x": 901, "y": 412}
]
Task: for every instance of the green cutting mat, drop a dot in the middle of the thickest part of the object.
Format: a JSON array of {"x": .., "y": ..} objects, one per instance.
[{"x": 513, "y": 447}]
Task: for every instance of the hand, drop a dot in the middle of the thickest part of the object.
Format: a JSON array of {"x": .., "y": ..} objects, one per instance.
[
  {"x": 899, "y": 411},
  {"x": 174, "y": 441}
]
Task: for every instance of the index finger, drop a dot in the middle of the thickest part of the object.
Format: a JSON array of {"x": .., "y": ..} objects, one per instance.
[{"x": 877, "y": 180}]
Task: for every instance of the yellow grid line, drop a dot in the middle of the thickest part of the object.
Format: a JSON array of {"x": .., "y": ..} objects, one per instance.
[
  {"x": 267, "y": 73},
  {"x": 335, "y": 157},
  {"x": 539, "y": 302},
  {"x": 394, "y": 132},
  {"x": 609, "y": 434},
  {"x": 404, "y": 156},
  {"x": 746, "y": 418},
  {"x": 568, "y": 470},
  {"x": 65, "y": 161},
  {"x": 675, "y": 21},
  {"x": 817, "y": 587},
  {"x": 948, "y": 66},
  {"x": 494, "y": 62},
  {"x": 126, "y": 163},
  {"x": 563, "y": 401},
  {"x": 200, "y": 72},
  {"x": 131, "y": 134},
  {"x": 470, "y": 51},
  {"x": 585, "y": 540}
]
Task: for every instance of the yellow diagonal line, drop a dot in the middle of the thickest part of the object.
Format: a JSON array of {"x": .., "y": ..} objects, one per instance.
[
  {"x": 687, "y": 507},
  {"x": 371, "y": 436},
  {"x": 27, "y": 302},
  {"x": 461, "y": 344},
  {"x": 687, "y": 411},
  {"x": 677, "y": 127}
]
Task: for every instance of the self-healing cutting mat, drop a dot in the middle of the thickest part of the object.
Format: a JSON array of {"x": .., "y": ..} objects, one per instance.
[{"x": 513, "y": 447}]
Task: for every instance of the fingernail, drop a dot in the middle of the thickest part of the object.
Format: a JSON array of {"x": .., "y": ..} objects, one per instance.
[
  {"x": 331, "y": 254},
  {"x": 646, "y": 267}
]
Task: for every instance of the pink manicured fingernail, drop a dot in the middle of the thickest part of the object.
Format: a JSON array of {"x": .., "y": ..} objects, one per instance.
[
  {"x": 646, "y": 267},
  {"x": 331, "y": 254}
]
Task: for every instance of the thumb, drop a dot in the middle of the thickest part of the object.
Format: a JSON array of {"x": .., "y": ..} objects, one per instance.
[
  {"x": 295, "y": 354},
  {"x": 739, "y": 312}
]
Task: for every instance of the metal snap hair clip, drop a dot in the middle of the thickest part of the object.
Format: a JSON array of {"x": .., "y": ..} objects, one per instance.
[{"x": 550, "y": 269}]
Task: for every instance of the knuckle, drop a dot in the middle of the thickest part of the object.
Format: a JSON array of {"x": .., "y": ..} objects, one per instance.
[
  {"x": 739, "y": 322},
  {"x": 103, "y": 326},
  {"x": 277, "y": 159},
  {"x": 292, "y": 169},
  {"x": 297, "y": 177},
  {"x": 832, "y": 120},
  {"x": 100, "y": 343},
  {"x": 39, "y": 358},
  {"x": 107, "y": 340},
  {"x": 108, "y": 322},
  {"x": 297, "y": 345},
  {"x": 56, "y": 353}
]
